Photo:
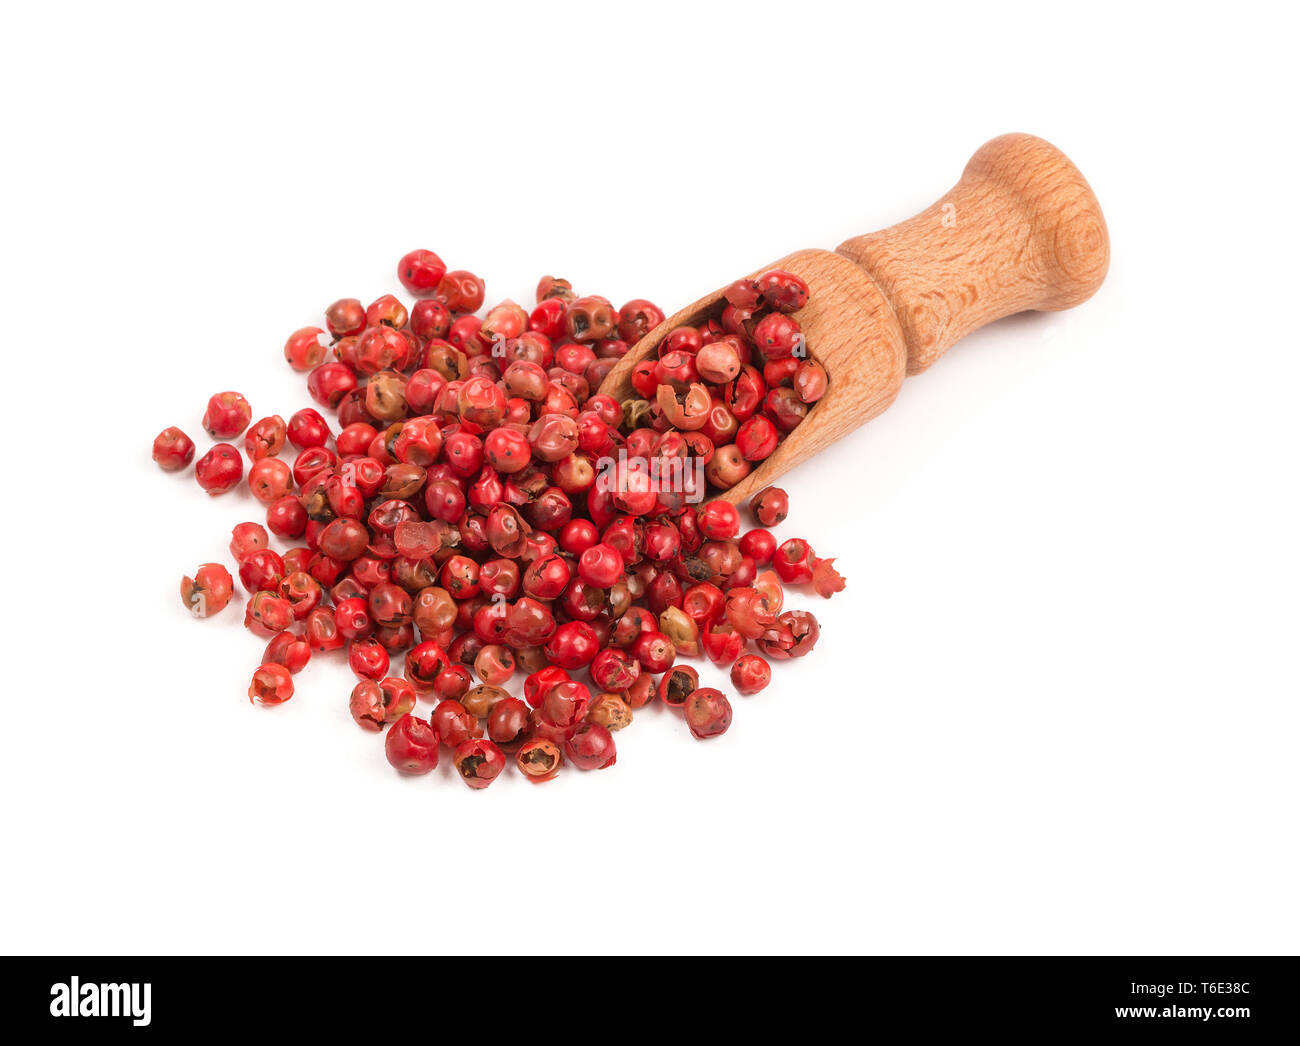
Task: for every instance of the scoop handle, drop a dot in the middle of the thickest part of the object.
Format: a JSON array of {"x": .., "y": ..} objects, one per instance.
[{"x": 1021, "y": 230}]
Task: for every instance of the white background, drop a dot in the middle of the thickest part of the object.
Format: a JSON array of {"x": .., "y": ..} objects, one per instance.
[{"x": 1055, "y": 710}]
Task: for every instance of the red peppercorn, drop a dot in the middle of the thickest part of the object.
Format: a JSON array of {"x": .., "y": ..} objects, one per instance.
[
  {"x": 591, "y": 747},
  {"x": 744, "y": 294},
  {"x": 459, "y": 576},
  {"x": 610, "y": 711},
  {"x": 464, "y": 647},
  {"x": 367, "y": 705},
  {"x": 303, "y": 349},
  {"x": 718, "y": 521},
  {"x": 368, "y": 658},
  {"x": 208, "y": 591},
  {"x": 389, "y": 605},
  {"x": 260, "y": 570},
  {"x": 770, "y": 506},
  {"x": 744, "y": 396},
  {"x": 270, "y": 479},
  {"x": 757, "y": 438},
  {"x": 748, "y": 611},
  {"x": 330, "y": 382},
  {"x": 343, "y": 539},
  {"x": 759, "y": 545},
  {"x": 452, "y": 682},
  {"x": 412, "y": 745},
  {"x": 554, "y": 287},
  {"x": 794, "y": 561},
  {"x": 780, "y": 372},
  {"x": 781, "y": 290},
  {"x": 386, "y": 311},
  {"x": 463, "y": 451},
  {"x": 267, "y": 613},
  {"x": 720, "y": 426},
  {"x": 345, "y": 317},
  {"x": 539, "y": 760},
  {"x": 172, "y": 449},
  {"x": 565, "y": 704},
  {"x": 296, "y": 559},
  {"x": 600, "y": 565},
  {"x": 495, "y": 664},
  {"x": 634, "y": 622},
  {"x": 722, "y": 644},
  {"x": 380, "y": 349},
  {"x": 508, "y": 723},
  {"x": 614, "y": 669},
  {"x": 247, "y": 538},
  {"x": 795, "y": 634},
  {"x": 539, "y": 683},
  {"x": 704, "y": 603},
  {"x": 589, "y": 319},
  {"x": 430, "y": 319},
  {"x": 464, "y": 334},
  {"x": 573, "y": 645},
  {"x": 750, "y": 674},
  {"x": 503, "y": 323},
  {"x": 785, "y": 408},
  {"x": 272, "y": 685},
  {"x": 461, "y": 291},
  {"x": 708, "y": 712},
  {"x": 638, "y": 318},
  {"x": 778, "y": 336},
  {"x": 220, "y": 469},
  {"x": 286, "y": 518},
  {"x": 811, "y": 381},
  {"x": 352, "y": 618},
  {"x": 265, "y": 438},
  {"x": 423, "y": 665},
  {"x": 546, "y": 577},
  {"x": 454, "y": 723},
  {"x": 677, "y": 685},
  {"x": 578, "y": 535},
  {"x": 285, "y": 648},
  {"x": 322, "y": 631},
  {"x": 398, "y": 697},
  {"x": 727, "y": 467},
  {"x": 307, "y": 428},
  {"x": 548, "y": 318},
  {"x": 654, "y": 650},
  {"x": 718, "y": 363},
  {"x": 420, "y": 272},
  {"x": 478, "y": 762},
  {"x": 643, "y": 378},
  {"x": 228, "y": 414}
]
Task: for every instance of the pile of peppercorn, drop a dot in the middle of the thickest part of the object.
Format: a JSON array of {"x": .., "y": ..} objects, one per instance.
[{"x": 483, "y": 512}]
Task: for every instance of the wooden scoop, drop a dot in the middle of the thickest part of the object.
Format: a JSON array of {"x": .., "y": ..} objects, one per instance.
[{"x": 1021, "y": 230}]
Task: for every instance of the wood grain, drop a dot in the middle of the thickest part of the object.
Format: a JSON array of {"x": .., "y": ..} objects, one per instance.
[{"x": 1020, "y": 230}]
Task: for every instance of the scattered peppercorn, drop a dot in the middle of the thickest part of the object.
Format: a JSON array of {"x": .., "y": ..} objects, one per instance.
[
  {"x": 172, "y": 449},
  {"x": 272, "y": 685},
  {"x": 208, "y": 591},
  {"x": 750, "y": 674}
]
